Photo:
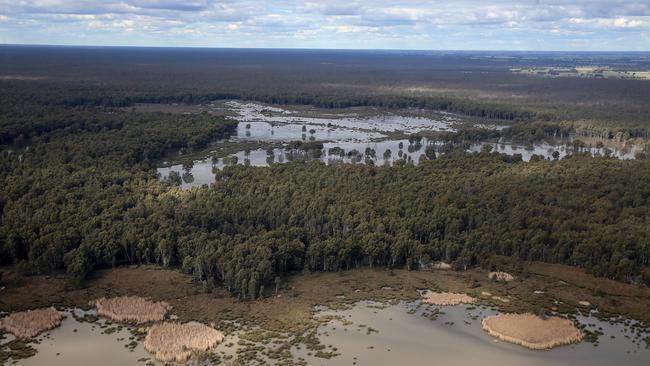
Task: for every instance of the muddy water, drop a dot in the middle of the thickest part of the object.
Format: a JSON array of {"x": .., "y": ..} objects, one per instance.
[{"x": 456, "y": 338}]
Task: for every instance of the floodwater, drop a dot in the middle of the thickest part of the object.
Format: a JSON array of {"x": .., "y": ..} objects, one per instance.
[
  {"x": 402, "y": 335},
  {"x": 546, "y": 150},
  {"x": 349, "y": 138},
  {"x": 254, "y": 112},
  {"x": 84, "y": 343},
  {"x": 265, "y": 131},
  {"x": 99, "y": 343},
  {"x": 371, "y": 334}
]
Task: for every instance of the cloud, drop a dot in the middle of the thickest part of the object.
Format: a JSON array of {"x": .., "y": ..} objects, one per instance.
[
  {"x": 333, "y": 23},
  {"x": 333, "y": 8},
  {"x": 620, "y": 22}
]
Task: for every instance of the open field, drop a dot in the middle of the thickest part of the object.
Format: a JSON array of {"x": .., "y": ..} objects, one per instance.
[{"x": 585, "y": 72}]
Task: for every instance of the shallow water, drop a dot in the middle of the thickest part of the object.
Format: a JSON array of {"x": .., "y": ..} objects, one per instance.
[
  {"x": 546, "y": 150},
  {"x": 348, "y": 139},
  {"x": 202, "y": 171},
  {"x": 63, "y": 346},
  {"x": 80, "y": 343},
  {"x": 399, "y": 333},
  {"x": 455, "y": 338},
  {"x": 254, "y": 112},
  {"x": 265, "y": 131}
]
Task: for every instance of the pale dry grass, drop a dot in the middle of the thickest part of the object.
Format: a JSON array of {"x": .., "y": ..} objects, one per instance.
[
  {"x": 531, "y": 331},
  {"x": 441, "y": 265},
  {"x": 446, "y": 298},
  {"x": 28, "y": 324},
  {"x": 175, "y": 342},
  {"x": 501, "y": 276},
  {"x": 132, "y": 309}
]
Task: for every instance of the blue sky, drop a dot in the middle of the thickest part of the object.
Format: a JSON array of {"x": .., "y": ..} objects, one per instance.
[{"x": 400, "y": 24}]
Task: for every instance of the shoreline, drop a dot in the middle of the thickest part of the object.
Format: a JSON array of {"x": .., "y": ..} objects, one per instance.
[{"x": 303, "y": 294}]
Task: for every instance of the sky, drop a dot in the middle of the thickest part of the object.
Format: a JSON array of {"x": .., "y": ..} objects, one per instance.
[{"x": 534, "y": 25}]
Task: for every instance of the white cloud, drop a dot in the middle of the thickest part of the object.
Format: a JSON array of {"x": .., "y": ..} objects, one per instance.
[
  {"x": 330, "y": 23},
  {"x": 620, "y": 22}
]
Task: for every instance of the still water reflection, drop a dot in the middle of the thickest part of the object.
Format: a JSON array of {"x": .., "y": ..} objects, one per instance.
[{"x": 404, "y": 336}]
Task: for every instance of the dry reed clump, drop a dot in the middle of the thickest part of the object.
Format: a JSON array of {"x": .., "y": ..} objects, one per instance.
[
  {"x": 531, "y": 331},
  {"x": 28, "y": 324},
  {"x": 441, "y": 265},
  {"x": 446, "y": 298},
  {"x": 132, "y": 309},
  {"x": 501, "y": 276},
  {"x": 175, "y": 342}
]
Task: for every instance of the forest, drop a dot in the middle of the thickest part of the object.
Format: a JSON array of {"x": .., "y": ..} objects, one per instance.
[
  {"x": 475, "y": 84},
  {"x": 79, "y": 191}
]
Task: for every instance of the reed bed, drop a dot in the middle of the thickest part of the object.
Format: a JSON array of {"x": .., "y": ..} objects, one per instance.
[
  {"x": 176, "y": 342},
  {"x": 132, "y": 309},
  {"x": 531, "y": 331},
  {"x": 446, "y": 298},
  {"x": 441, "y": 265},
  {"x": 28, "y": 324},
  {"x": 501, "y": 276}
]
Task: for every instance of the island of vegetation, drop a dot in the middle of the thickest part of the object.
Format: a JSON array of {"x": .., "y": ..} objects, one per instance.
[
  {"x": 28, "y": 324},
  {"x": 175, "y": 342},
  {"x": 446, "y": 298},
  {"x": 131, "y": 309},
  {"x": 532, "y": 331}
]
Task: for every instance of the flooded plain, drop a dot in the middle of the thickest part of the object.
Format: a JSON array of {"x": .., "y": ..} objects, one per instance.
[
  {"x": 348, "y": 138},
  {"x": 375, "y": 334}
]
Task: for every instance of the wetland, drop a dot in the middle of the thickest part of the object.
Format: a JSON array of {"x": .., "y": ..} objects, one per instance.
[{"x": 280, "y": 134}]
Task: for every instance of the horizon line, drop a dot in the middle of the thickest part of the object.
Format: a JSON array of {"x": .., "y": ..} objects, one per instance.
[{"x": 311, "y": 48}]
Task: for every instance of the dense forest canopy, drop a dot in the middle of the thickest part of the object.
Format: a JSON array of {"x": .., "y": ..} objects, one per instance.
[
  {"x": 478, "y": 84},
  {"x": 80, "y": 191}
]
